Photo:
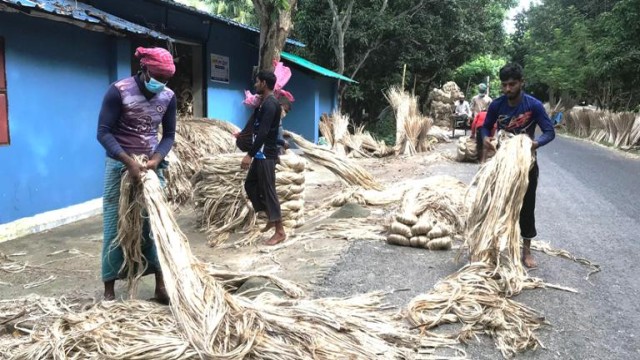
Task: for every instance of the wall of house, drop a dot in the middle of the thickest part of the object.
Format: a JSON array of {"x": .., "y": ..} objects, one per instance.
[
  {"x": 224, "y": 100},
  {"x": 55, "y": 89}
]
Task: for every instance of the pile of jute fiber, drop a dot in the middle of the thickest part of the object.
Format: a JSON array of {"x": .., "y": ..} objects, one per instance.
[
  {"x": 335, "y": 129},
  {"x": 622, "y": 130},
  {"x": 194, "y": 139},
  {"x": 478, "y": 295},
  {"x": 411, "y": 126},
  {"x": 467, "y": 150},
  {"x": 432, "y": 214},
  {"x": 290, "y": 186},
  {"x": 205, "y": 321},
  {"x": 348, "y": 171},
  {"x": 221, "y": 202}
]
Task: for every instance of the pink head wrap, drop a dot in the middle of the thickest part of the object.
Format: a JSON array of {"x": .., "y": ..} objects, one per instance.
[{"x": 159, "y": 61}]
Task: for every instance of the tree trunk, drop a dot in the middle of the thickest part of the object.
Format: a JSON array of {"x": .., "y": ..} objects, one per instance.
[{"x": 275, "y": 25}]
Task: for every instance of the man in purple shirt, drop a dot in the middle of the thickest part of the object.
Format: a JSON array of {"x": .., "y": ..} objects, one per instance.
[
  {"x": 132, "y": 110},
  {"x": 519, "y": 113}
]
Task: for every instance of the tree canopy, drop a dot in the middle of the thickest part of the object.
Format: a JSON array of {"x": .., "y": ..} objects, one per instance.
[{"x": 582, "y": 50}]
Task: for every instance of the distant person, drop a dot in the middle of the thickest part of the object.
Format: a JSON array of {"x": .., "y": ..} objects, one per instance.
[
  {"x": 462, "y": 112},
  {"x": 480, "y": 102},
  {"x": 132, "y": 111},
  {"x": 478, "y": 121},
  {"x": 519, "y": 113},
  {"x": 262, "y": 155}
]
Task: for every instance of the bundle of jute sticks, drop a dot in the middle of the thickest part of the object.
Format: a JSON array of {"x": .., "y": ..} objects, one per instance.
[
  {"x": 207, "y": 322},
  {"x": 432, "y": 214},
  {"x": 221, "y": 201}
]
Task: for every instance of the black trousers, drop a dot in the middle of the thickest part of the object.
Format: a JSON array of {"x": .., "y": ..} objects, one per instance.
[
  {"x": 260, "y": 186},
  {"x": 527, "y": 214}
]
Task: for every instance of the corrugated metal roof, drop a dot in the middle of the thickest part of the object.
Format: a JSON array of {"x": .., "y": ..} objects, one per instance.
[
  {"x": 218, "y": 18},
  {"x": 313, "y": 67},
  {"x": 81, "y": 13}
]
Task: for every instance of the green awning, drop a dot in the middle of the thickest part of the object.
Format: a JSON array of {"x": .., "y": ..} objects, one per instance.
[{"x": 313, "y": 67}]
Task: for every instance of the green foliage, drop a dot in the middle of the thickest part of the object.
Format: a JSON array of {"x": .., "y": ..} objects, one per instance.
[
  {"x": 585, "y": 50},
  {"x": 241, "y": 11},
  {"x": 471, "y": 74},
  {"x": 432, "y": 41}
]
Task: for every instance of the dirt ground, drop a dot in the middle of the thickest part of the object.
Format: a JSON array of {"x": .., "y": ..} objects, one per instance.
[{"x": 66, "y": 260}]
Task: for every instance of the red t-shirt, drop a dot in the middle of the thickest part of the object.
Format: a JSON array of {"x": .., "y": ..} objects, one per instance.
[{"x": 478, "y": 121}]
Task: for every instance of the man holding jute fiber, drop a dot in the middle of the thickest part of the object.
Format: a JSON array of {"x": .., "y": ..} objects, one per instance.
[
  {"x": 519, "y": 113},
  {"x": 262, "y": 156},
  {"x": 132, "y": 111}
]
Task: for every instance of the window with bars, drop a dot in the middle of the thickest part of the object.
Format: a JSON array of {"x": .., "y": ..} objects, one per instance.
[{"x": 4, "y": 104}]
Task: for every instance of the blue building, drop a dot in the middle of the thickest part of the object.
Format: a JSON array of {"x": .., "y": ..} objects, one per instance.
[{"x": 59, "y": 57}]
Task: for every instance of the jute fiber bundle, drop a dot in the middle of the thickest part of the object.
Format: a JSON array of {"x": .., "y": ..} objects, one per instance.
[
  {"x": 411, "y": 126},
  {"x": 335, "y": 129},
  {"x": 622, "y": 130},
  {"x": 467, "y": 150},
  {"x": 194, "y": 139},
  {"x": 477, "y": 296},
  {"x": 361, "y": 143},
  {"x": 441, "y": 103},
  {"x": 346, "y": 170},
  {"x": 212, "y": 324},
  {"x": 290, "y": 185},
  {"x": 431, "y": 215},
  {"x": 439, "y": 134},
  {"x": 210, "y": 136},
  {"x": 221, "y": 200}
]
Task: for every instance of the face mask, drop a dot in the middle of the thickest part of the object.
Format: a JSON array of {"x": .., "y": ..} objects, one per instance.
[{"x": 154, "y": 85}]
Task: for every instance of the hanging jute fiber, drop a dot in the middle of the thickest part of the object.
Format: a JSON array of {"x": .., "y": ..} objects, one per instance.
[
  {"x": 478, "y": 296},
  {"x": 346, "y": 170},
  {"x": 207, "y": 322},
  {"x": 432, "y": 214}
]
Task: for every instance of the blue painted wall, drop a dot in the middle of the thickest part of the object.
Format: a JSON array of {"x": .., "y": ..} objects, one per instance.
[
  {"x": 224, "y": 101},
  {"x": 314, "y": 94},
  {"x": 56, "y": 77},
  {"x": 302, "y": 118}
]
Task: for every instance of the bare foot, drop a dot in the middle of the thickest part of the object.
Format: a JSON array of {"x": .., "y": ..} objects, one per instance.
[
  {"x": 109, "y": 290},
  {"x": 269, "y": 226},
  {"x": 276, "y": 239},
  {"x": 529, "y": 261},
  {"x": 161, "y": 297}
]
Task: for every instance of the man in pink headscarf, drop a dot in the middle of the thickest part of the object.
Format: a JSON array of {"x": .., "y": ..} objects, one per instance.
[{"x": 132, "y": 111}]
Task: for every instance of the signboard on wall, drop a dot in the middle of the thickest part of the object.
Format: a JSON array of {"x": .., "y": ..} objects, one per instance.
[{"x": 220, "y": 68}]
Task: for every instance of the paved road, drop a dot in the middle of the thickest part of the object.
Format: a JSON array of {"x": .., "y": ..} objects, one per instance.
[{"x": 589, "y": 204}]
